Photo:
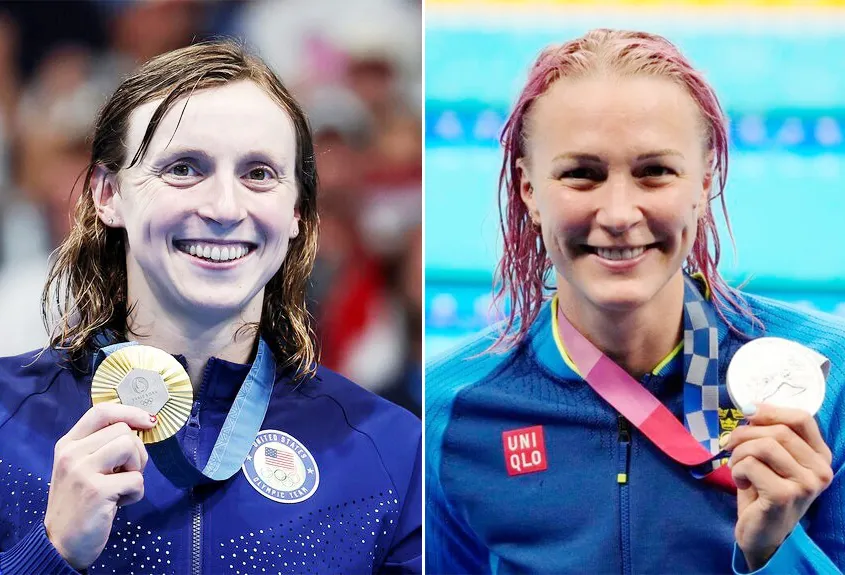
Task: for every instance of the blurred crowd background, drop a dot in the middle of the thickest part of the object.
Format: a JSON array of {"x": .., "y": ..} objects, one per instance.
[
  {"x": 356, "y": 67},
  {"x": 777, "y": 67}
]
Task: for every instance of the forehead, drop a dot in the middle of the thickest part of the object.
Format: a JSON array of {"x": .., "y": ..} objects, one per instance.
[
  {"x": 234, "y": 118},
  {"x": 607, "y": 114}
]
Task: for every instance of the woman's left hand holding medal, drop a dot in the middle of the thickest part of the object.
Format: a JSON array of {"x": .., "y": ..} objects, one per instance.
[{"x": 780, "y": 464}]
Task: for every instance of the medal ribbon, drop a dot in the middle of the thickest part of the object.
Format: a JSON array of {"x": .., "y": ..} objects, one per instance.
[
  {"x": 698, "y": 442},
  {"x": 242, "y": 424}
]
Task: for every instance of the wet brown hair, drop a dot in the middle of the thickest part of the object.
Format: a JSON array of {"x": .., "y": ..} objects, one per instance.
[{"x": 87, "y": 281}]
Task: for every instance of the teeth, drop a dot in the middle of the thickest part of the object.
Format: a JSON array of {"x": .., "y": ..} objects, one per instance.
[
  {"x": 215, "y": 253},
  {"x": 620, "y": 254}
]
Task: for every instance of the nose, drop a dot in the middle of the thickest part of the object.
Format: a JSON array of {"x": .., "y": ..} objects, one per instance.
[
  {"x": 619, "y": 209},
  {"x": 223, "y": 204}
]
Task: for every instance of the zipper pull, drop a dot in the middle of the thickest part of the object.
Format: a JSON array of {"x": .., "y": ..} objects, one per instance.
[
  {"x": 194, "y": 419},
  {"x": 624, "y": 450},
  {"x": 624, "y": 429}
]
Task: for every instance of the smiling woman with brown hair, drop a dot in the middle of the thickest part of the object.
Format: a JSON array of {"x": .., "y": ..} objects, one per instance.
[
  {"x": 589, "y": 437},
  {"x": 88, "y": 281},
  {"x": 180, "y": 296}
]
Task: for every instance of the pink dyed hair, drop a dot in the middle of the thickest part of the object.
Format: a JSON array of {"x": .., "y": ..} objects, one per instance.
[{"x": 522, "y": 271}]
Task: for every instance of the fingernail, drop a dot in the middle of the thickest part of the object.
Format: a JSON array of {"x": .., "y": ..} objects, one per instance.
[
  {"x": 724, "y": 440},
  {"x": 153, "y": 419},
  {"x": 750, "y": 409}
]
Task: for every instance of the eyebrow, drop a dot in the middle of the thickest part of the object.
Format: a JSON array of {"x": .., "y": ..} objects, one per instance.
[
  {"x": 160, "y": 159},
  {"x": 172, "y": 153},
  {"x": 659, "y": 154},
  {"x": 596, "y": 159},
  {"x": 256, "y": 153}
]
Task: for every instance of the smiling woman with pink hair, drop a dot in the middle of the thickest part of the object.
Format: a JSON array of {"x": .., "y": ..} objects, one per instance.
[{"x": 597, "y": 433}]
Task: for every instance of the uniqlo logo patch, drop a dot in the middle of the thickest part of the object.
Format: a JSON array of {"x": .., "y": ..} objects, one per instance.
[{"x": 525, "y": 450}]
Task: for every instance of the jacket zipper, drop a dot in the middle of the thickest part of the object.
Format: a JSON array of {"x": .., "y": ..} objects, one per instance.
[
  {"x": 622, "y": 477},
  {"x": 192, "y": 436}
]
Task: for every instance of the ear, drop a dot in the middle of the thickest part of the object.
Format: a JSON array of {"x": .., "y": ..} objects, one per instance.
[
  {"x": 106, "y": 197},
  {"x": 294, "y": 224},
  {"x": 526, "y": 191},
  {"x": 706, "y": 187}
]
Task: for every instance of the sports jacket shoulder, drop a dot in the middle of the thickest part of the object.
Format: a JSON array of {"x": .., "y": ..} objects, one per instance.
[
  {"x": 356, "y": 509},
  {"x": 576, "y": 515}
]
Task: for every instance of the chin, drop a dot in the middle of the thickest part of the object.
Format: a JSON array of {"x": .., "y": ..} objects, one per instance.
[
  {"x": 215, "y": 302},
  {"x": 617, "y": 302},
  {"x": 619, "y": 294}
]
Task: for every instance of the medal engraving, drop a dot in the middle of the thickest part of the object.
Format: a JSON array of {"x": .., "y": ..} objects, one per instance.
[
  {"x": 776, "y": 371},
  {"x": 150, "y": 379},
  {"x": 143, "y": 388}
]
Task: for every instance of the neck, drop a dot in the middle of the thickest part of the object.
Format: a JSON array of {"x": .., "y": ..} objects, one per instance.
[
  {"x": 197, "y": 341},
  {"x": 636, "y": 340}
]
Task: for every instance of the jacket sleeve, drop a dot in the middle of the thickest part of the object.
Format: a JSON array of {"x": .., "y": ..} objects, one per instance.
[
  {"x": 798, "y": 554},
  {"x": 450, "y": 546},
  {"x": 405, "y": 554},
  {"x": 34, "y": 554}
]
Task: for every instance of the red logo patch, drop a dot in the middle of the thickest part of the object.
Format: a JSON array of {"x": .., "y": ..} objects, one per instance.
[{"x": 525, "y": 450}]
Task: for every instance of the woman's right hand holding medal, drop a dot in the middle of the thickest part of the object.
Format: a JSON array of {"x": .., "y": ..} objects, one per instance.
[
  {"x": 781, "y": 464},
  {"x": 97, "y": 467}
]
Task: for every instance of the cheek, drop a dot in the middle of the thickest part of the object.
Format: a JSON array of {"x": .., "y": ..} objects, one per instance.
[
  {"x": 274, "y": 216},
  {"x": 673, "y": 213},
  {"x": 564, "y": 214},
  {"x": 148, "y": 206}
]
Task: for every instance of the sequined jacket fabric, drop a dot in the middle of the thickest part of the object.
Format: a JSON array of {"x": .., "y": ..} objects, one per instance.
[{"x": 358, "y": 512}]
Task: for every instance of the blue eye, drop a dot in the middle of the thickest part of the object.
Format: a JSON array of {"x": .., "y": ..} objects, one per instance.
[
  {"x": 261, "y": 174},
  {"x": 182, "y": 170}
]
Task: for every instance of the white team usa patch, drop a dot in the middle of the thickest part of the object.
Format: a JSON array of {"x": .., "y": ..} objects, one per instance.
[{"x": 280, "y": 468}]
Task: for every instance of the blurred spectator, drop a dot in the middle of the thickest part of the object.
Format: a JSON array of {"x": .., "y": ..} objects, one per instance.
[
  {"x": 363, "y": 236},
  {"x": 406, "y": 388},
  {"x": 55, "y": 113},
  {"x": 142, "y": 29},
  {"x": 356, "y": 66},
  {"x": 9, "y": 53}
]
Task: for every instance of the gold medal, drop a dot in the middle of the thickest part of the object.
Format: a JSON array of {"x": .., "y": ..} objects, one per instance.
[{"x": 148, "y": 378}]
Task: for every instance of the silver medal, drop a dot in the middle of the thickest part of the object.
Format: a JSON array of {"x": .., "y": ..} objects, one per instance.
[{"x": 778, "y": 372}]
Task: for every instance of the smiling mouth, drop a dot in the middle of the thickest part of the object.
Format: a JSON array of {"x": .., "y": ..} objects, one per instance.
[
  {"x": 214, "y": 251},
  {"x": 618, "y": 253}
]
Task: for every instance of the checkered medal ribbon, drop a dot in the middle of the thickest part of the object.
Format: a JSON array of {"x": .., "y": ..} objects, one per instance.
[
  {"x": 633, "y": 401},
  {"x": 701, "y": 368}
]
